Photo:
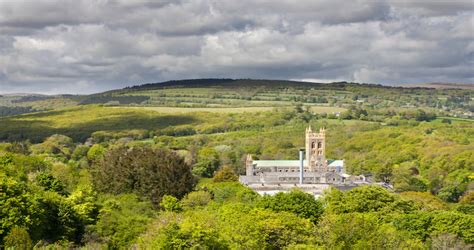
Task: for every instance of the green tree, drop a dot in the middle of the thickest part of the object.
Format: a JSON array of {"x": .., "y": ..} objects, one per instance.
[
  {"x": 149, "y": 172},
  {"x": 95, "y": 152},
  {"x": 50, "y": 183},
  {"x": 60, "y": 145},
  {"x": 296, "y": 201},
  {"x": 361, "y": 231},
  {"x": 207, "y": 163},
  {"x": 258, "y": 228},
  {"x": 425, "y": 200},
  {"x": 18, "y": 207},
  {"x": 79, "y": 152},
  {"x": 59, "y": 219},
  {"x": 450, "y": 193},
  {"x": 170, "y": 204},
  {"x": 197, "y": 230},
  {"x": 224, "y": 174},
  {"x": 365, "y": 199},
  {"x": 18, "y": 238},
  {"x": 19, "y": 147},
  {"x": 196, "y": 198},
  {"x": 122, "y": 219}
]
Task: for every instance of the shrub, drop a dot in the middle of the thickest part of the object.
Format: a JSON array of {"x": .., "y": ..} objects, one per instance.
[
  {"x": 225, "y": 174},
  {"x": 297, "y": 202},
  {"x": 18, "y": 238},
  {"x": 170, "y": 204},
  {"x": 197, "y": 198},
  {"x": 148, "y": 172}
]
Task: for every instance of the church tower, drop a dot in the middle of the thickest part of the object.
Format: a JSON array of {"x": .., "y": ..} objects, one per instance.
[
  {"x": 249, "y": 169},
  {"x": 315, "y": 150}
]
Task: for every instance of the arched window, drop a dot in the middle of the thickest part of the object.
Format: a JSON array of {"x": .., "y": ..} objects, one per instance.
[{"x": 320, "y": 144}]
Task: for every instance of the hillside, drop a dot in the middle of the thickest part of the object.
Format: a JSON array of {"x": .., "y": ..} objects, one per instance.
[
  {"x": 156, "y": 167},
  {"x": 211, "y": 93}
]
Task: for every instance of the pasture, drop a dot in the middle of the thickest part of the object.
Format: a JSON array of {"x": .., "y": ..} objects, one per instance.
[{"x": 173, "y": 110}]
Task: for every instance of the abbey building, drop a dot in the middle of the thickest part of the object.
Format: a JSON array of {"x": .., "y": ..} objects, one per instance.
[{"x": 313, "y": 168}]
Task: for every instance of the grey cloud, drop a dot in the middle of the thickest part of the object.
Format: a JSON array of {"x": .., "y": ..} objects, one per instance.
[
  {"x": 87, "y": 46},
  {"x": 433, "y": 7}
]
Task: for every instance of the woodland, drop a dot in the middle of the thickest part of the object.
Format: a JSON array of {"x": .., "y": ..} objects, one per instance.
[{"x": 87, "y": 172}]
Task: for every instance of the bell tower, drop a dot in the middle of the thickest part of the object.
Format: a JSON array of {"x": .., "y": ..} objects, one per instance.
[{"x": 315, "y": 150}]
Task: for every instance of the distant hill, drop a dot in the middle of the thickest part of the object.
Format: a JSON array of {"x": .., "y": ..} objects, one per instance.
[
  {"x": 227, "y": 82},
  {"x": 449, "y": 99},
  {"x": 439, "y": 85}
]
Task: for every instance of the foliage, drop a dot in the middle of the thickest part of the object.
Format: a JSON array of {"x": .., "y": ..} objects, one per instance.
[
  {"x": 198, "y": 229},
  {"x": 7, "y": 111},
  {"x": 365, "y": 199},
  {"x": 18, "y": 238},
  {"x": 448, "y": 241},
  {"x": 55, "y": 144},
  {"x": 18, "y": 207},
  {"x": 196, "y": 198},
  {"x": 223, "y": 192},
  {"x": 450, "y": 193},
  {"x": 232, "y": 226},
  {"x": 121, "y": 219},
  {"x": 60, "y": 221},
  {"x": 423, "y": 224},
  {"x": 95, "y": 152},
  {"x": 170, "y": 204},
  {"x": 224, "y": 174},
  {"x": 95, "y": 99},
  {"x": 50, "y": 183},
  {"x": 425, "y": 200},
  {"x": 207, "y": 162},
  {"x": 362, "y": 231},
  {"x": 149, "y": 172},
  {"x": 79, "y": 152},
  {"x": 84, "y": 203},
  {"x": 63, "y": 191},
  {"x": 297, "y": 202}
]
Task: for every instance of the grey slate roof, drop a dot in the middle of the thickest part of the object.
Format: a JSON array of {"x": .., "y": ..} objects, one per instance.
[
  {"x": 278, "y": 163},
  {"x": 292, "y": 163}
]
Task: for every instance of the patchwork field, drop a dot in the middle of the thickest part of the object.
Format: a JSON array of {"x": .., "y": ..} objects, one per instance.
[{"x": 315, "y": 109}]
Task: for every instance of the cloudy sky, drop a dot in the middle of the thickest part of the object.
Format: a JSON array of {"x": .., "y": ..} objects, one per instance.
[{"x": 75, "y": 46}]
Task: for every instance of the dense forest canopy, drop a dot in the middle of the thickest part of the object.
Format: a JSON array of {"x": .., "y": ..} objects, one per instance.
[{"x": 120, "y": 176}]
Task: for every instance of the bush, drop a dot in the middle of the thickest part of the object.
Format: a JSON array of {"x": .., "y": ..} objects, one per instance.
[
  {"x": 197, "y": 198},
  {"x": 225, "y": 174},
  {"x": 297, "y": 202},
  {"x": 170, "y": 204},
  {"x": 365, "y": 199},
  {"x": 56, "y": 144},
  {"x": 450, "y": 193},
  {"x": 18, "y": 238},
  {"x": 121, "y": 219},
  {"x": 148, "y": 172},
  {"x": 50, "y": 183}
]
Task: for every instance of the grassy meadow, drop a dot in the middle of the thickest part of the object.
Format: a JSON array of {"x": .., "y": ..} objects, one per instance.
[{"x": 314, "y": 109}]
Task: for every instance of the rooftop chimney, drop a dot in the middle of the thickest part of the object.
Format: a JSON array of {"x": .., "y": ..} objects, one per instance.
[{"x": 301, "y": 166}]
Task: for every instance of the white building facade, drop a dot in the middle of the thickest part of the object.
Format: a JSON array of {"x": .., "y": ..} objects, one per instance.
[{"x": 315, "y": 167}]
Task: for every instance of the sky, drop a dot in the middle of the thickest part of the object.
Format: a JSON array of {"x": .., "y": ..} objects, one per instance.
[{"x": 79, "y": 46}]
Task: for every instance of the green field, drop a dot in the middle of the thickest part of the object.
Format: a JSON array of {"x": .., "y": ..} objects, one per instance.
[
  {"x": 246, "y": 93},
  {"x": 315, "y": 109}
]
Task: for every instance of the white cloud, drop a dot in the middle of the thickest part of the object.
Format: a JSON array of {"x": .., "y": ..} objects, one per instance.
[{"x": 87, "y": 46}]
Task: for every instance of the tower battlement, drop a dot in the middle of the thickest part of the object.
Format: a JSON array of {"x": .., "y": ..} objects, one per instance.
[{"x": 316, "y": 149}]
